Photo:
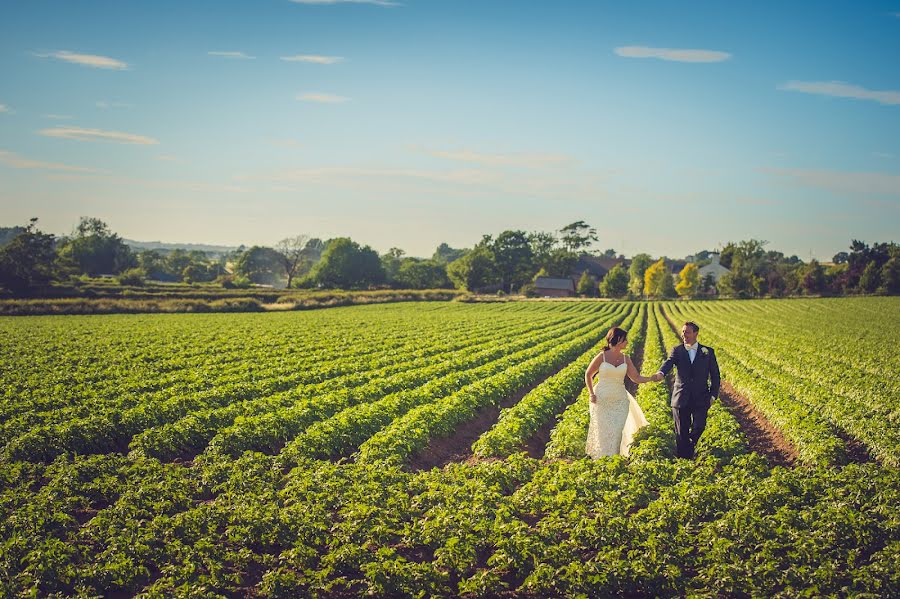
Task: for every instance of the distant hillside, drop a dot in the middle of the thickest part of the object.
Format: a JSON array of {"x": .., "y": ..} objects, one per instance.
[{"x": 189, "y": 247}]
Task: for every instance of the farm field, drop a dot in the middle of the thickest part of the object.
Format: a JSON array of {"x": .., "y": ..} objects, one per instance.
[{"x": 435, "y": 449}]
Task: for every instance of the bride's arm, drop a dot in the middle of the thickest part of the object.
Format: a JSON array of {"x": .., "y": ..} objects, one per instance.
[
  {"x": 634, "y": 375},
  {"x": 592, "y": 369}
]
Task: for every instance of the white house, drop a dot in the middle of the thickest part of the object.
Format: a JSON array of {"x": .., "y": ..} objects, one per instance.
[{"x": 714, "y": 268}]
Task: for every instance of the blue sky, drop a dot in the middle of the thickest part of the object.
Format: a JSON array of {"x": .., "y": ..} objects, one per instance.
[{"x": 670, "y": 127}]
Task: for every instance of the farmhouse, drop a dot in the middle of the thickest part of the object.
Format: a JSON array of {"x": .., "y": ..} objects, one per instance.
[
  {"x": 714, "y": 268},
  {"x": 553, "y": 287}
]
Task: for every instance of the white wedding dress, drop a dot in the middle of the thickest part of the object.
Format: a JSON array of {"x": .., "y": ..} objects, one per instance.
[{"x": 616, "y": 416}]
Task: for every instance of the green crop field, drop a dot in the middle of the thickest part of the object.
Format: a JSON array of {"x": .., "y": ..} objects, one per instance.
[{"x": 436, "y": 449}]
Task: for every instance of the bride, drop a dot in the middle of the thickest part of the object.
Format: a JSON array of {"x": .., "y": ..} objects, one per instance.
[{"x": 615, "y": 415}]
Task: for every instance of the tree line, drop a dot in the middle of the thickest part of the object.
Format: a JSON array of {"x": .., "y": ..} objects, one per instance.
[{"x": 510, "y": 262}]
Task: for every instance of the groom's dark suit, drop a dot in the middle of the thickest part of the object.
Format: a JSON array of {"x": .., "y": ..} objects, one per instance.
[{"x": 696, "y": 383}]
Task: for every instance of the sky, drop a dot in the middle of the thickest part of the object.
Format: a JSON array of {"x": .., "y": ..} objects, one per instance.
[{"x": 670, "y": 127}]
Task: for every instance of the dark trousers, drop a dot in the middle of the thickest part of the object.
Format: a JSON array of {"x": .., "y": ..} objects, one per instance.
[{"x": 689, "y": 424}]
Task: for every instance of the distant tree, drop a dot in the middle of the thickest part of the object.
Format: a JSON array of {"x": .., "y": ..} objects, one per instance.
[
  {"x": 658, "y": 281},
  {"x": 841, "y": 258},
  {"x": 474, "y": 270},
  {"x": 347, "y": 265},
  {"x": 259, "y": 264},
  {"x": 615, "y": 283},
  {"x": 293, "y": 254},
  {"x": 639, "y": 265},
  {"x": 870, "y": 279},
  {"x": 133, "y": 277},
  {"x": 513, "y": 259},
  {"x": 578, "y": 236},
  {"x": 610, "y": 253},
  {"x": 446, "y": 254},
  {"x": 587, "y": 286},
  {"x": 813, "y": 278},
  {"x": 689, "y": 281},
  {"x": 708, "y": 283},
  {"x": 93, "y": 249},
  {"x": 390, "y": 262},
  {"x": 153, "y": 264},
  {"x": 28, "y": 260},
  {"x": 543, "y": 245},
  {"x": 541, "y": 273},
  {"x": 890, "y": 274},
  {"x": 423, "y": 274}
]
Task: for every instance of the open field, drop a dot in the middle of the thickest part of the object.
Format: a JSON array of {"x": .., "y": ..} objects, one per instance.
[{"x": 435, "y": 448}]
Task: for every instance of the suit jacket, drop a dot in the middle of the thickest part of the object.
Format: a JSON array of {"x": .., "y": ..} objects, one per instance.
[{"x": 695, "y": 384}]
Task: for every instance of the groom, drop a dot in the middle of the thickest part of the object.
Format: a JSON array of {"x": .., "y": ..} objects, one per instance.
[{"x": 696, "y": 383}]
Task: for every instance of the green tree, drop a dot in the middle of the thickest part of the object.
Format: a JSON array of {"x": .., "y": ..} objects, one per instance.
[
  {"x": 813, "y": 278},
  {"x": 615, "y": 283},
  {"x": 446, "y": 254},
  {"x": 28, "y": 260},
  {"x": 422, "y": 274},
  {"x": 639, "y": 265},
  {"x": 578, "y": 236},
  {"x": 689, "y": 281},
  {"x": 476, "y": 269},
  {"x": 93, "y": 249},
  {"x": 658, "y": 281},
  {"x": 513, "y": 259},
  {"x": 347, "y": 265},
  {"x": 870, "y": 279},
  {"x": 587, "y": 286},
  {"x": 890, "y": 275},
  {"x": 259, "y": 264}
]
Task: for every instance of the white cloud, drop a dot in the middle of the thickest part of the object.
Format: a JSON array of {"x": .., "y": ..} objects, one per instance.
[
  {"x": 842, "y": 181},
  {"x": 57, "y": 117},
  {"x": 322, "y": 98},
  {"x": 313, "y": 58},
  {"x": 516, "y": 159},
  {"x": 237, "y": 55},
  {"x": 15, "y": 161},
  {"x": 323, "y": 2},
  {"x": 80, "y": 134},
  {"x": 678, "y": 55},
  {"x": 104, "y": 105},
  {"x": 87, "y": 60},
  {"x": 842, "y": 90},
  {"x": 4, "y": 108}
]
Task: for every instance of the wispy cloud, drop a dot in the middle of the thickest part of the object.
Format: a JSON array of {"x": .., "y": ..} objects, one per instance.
[
  {"x": 322, "y": 98},
  {"x": 842, "y": 90},
  {"x": 4, "y": 108},
  {"x": 15, "y": 161},
  {"x": 323, "y": 2},
  {"x": 80, "y": 134},
  {"x": 515, "y": 159},
  {"x": 88, "y": 60},
  {"x": 167, "y": 158},
  {"x": 842, "y": 181},
  {"x": 235, "y": 55},
  {"x": 313, "y": 58},
  {"x": 674, "y": 54},
  {"x": 57, "y": 117},
  {"x": 104, "y": 105}
]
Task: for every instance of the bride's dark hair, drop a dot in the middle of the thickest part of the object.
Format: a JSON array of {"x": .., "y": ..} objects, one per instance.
[{"x": 614, "y": 337}]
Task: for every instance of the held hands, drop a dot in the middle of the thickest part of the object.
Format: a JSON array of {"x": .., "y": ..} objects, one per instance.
[{"x": 657, "y": 377}]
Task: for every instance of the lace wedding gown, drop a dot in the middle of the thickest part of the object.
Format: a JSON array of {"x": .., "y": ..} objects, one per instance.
[{"x": 616, "y": 416}]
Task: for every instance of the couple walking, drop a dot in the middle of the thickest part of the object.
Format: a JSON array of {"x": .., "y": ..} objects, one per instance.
[{"x": 616, "y": 416}]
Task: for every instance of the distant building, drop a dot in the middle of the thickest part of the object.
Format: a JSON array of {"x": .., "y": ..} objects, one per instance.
[
  {"x": 596, "y": 266},
  {"x": 553, "y": 287},
  {"x": 713, "y": 268}
]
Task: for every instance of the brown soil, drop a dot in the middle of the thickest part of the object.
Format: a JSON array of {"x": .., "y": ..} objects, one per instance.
[
  {"x": 458, "y": 447},
  {"x": 763, "y": 437}
]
